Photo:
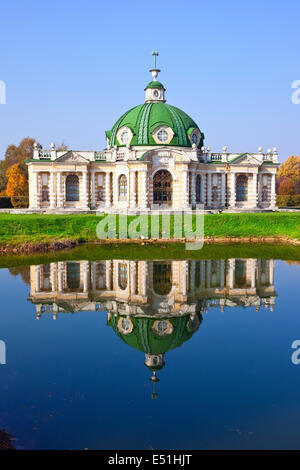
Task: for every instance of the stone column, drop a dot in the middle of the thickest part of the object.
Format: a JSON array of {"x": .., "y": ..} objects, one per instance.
[
  {"x": 208, "y": 273},
  {"x": 92, "y": 190},
  {"x": 107, "y": 190},
  {"x": 184, "y": 277},
  {"x": 223, "y": 190},
  {"x": 52, "y": 276},
  {"x": 192, "y": 275},
  {"x": 132, "y": 192},
  {"x": 108, "y": 275},
  {"x": 185, "y": 188},
  {"x": 231, "y": 273},
  {"x": 253, "y": 273},
  {"x": 60, "y": 274},
  {"x": 203, "y": 188},
  {"x": 132, "y": 277},
  {"x": 232, "y": 190},
  {"x": 260, "y": 178},
  {"x": 254, "y": 189},
  {"x": 271, "y": 272},
  {"x": 93, "y": 275},
  {"x": 202, "y": 274},
  {"x": 222, "y": 273},
  {"x": 37, "y": 278},
  {"x": 85, "y": 194},
  {"x": 85, "y": 265},
  {"x": 144, "y": 277},
  {"x": 273, "y": 191},
  {"x": 36, "y": 189},
  {"x": 58, "y": 190},
  {"x": 144, "y": 194},
  {"x": 208, "y": 191},
  {"x": 193, "y": 187},
  {"x": 51, "y": 190},
  {"x": 115, "y": 189}
]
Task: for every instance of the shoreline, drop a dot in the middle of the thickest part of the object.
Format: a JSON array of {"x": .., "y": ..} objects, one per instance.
[{"x": 29, "y": 248}]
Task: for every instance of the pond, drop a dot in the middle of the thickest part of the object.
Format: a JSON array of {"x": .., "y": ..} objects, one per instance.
[{"x": 122, "y": 353}]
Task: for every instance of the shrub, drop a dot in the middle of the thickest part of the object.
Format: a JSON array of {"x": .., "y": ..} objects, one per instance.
[{"x": 285, "y": 200}]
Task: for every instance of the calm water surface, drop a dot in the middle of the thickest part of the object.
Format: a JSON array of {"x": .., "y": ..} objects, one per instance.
[{"x": 151, "y": 354}]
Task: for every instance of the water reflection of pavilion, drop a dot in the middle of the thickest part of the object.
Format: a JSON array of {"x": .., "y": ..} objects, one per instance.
[
  {"x": 153, "y": 306},
  {"x": 151, "y": 288}
]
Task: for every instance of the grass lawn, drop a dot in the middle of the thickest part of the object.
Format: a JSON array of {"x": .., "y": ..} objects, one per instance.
[{"x": 35, "y": 228}]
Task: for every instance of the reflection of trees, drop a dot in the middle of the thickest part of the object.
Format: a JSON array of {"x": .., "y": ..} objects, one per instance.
[
  {"x": 6, "y": 441},
  {"x": 293, "y": 262},
  {"x": 24, "y": 272}
]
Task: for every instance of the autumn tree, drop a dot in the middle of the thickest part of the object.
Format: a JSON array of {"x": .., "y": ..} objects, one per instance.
[
  {"x": 286, "y": 186},
  {"x": 290, "y": 168},
  {"x": 25, "y": 152},
  {"x": 17, "y": 186},
  {"x": 288, "y": 176},
  {"x": 11, "y": 155},
  {"x": 3, "y": 179}
]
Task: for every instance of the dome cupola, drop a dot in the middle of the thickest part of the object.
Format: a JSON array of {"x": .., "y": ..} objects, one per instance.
[
  {"x": 155, "y": 123},
  {"x": 155, "y": 91}
]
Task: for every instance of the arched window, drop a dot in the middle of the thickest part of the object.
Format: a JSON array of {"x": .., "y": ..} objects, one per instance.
[
  {"x": 72, "y": 188},
  {"x": 100, "y": 189},
  {"x": 73, "y": 275},
  {"x": 122, "y": 188},
  {"x": 162, "y": 278},
  {"x": 240, "y": 273},
  {"x": 45, "y": 194},
  {"x": 198, "y": 188},
  {"x": 242, "y": 188},
  {"x": 123, "y": 276},
  {"x": 162, "y": 187}
]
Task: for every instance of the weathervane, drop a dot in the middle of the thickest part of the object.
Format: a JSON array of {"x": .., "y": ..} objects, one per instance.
[{"x": 155, "y": 70}]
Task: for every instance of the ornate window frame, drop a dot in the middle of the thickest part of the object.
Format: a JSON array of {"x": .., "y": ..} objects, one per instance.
[
  {"x": 122, "y": 330},
  {"x": 198, "y": 133},
  {"x": 122, "y": 187},
  {"x": 119, "y": 135},
  {"x": 160, "y": 128}
]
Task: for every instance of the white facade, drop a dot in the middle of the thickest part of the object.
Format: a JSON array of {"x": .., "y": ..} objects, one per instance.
[{"x": 152, "y": 161}]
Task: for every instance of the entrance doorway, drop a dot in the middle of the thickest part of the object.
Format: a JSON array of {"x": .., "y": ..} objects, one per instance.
[{"x": 162, "y": 187}]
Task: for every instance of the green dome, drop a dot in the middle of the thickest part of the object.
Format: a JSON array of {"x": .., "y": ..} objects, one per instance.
[
  {"x": 145, "y": 118},
  {"x": 146, "y": 340},
  {"x": 155, "y": 84}
]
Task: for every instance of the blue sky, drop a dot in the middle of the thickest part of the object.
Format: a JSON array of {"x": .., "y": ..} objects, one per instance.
[{"x": 71, "y": 68}]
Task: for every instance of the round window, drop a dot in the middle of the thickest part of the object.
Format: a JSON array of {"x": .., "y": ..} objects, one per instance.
[
  {"x": 162, "y": 135},
  {"x": 156, "y": 94},
  {"x": 125, "y": 324},
  {"x": 125, "y": 137}
]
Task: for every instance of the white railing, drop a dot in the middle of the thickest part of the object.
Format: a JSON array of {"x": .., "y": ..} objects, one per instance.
[{"x": 120, "y": 156}]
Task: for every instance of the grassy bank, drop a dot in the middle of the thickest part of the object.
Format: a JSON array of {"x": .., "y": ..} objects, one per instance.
[
  {"x": 35, "y": 228},
  {"x": 156, "y": 252}
]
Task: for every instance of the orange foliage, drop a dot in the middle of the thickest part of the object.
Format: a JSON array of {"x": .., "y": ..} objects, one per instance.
[
  {"x": 288, "y": 177},
  {"x": 287, "y": 186},
  {"x": 17, "y": 186},
  {"x": 290, "y": 168}
]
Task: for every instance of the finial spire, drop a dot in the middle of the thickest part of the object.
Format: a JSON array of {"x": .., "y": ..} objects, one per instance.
[
  {"x": 155, "y": 71},
  {"x": 155, "y": 54}
]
